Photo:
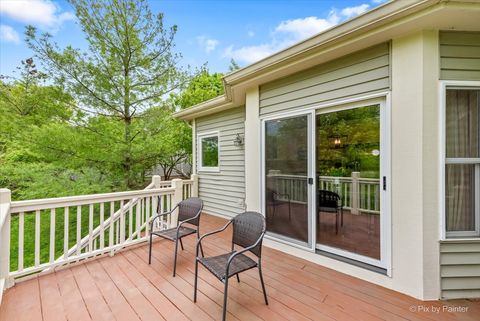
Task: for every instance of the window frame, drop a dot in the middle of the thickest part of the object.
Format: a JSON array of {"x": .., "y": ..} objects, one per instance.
[
  {"x": 455, "y": 235},
  {"x": 200, "y": 137}
]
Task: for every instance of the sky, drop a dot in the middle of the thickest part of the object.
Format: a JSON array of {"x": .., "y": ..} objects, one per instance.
[{"x": 209, "y": 32}]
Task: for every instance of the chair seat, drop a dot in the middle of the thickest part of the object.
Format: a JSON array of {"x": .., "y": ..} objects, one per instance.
[
  {"x": 328, "y": 209},
  {"x": 171, "y": 233},
  {"x": 218, "y": 264}
]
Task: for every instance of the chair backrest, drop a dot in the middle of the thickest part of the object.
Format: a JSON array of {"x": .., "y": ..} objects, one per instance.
[
  {"x": 270, "y": 195},
  {"x": 248, "y": 227},
  {"x": 328, "y": 199},
  {"x": 189, "y": 208}
]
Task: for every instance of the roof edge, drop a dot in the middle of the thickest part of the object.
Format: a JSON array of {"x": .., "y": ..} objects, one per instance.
[{"x": 217, "y": 103}]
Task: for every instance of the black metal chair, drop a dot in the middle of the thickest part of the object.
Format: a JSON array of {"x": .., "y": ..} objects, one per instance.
[
  {"x": 189, "y": 212},
  {"x": 275, "y": 199},
  {"x": 248, "y": 231},
  {"x": 330, "y": 202}
]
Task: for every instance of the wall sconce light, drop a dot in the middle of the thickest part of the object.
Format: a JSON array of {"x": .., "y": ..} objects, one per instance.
[{"x": 238, "y": 141}]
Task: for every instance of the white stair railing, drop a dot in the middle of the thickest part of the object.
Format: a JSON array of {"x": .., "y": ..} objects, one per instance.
[{"x": 51, "y": 232}]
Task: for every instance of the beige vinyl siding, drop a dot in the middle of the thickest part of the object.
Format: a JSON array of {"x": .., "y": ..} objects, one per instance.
[
  {"x": 460, "y": 269},
  {"x": 362, "y": 72},
  {"x": 459, "y": 55},
  {"x": 223, "y": 192}
]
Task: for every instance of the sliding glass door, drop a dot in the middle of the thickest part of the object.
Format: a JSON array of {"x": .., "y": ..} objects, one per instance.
[
  {"x": 325, "y": 180},
  {"x": 349, "y": 183},
  {"x": 288, "y": 156}
]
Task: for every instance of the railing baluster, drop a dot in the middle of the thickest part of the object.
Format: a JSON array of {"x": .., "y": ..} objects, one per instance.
[
  {"x": 21, "y": 217},
  {"x": 142, "y": 212},
  {"x": 122, "y": 222},
  {"x": 66, "y": 226},
  {"x": 90, "y": 227},
  {"x": 368, "y": 197},
  {"x": 137, "y": 219},
  {"x": 130, "y": 223},
  {"x": 79, "y": 228},
  {"x": 52, "y": 235},
  {"x": 110, "y": 234},
  {"x": 147, "y": 212},
  {"x": 37, "y": 237},
  {"x": 102, "y": 225},
  {"x": 162, "y": 206}
]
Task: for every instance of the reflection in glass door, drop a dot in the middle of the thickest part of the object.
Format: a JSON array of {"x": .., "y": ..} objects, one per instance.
[
  {"x": 348, "y": 181},
  {"x": 286, "y": 196}
]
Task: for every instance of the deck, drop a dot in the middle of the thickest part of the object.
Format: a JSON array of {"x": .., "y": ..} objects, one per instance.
[{"x": 125, "y": 287}]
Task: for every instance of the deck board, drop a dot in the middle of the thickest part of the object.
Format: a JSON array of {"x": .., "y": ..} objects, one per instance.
[{"x": 126, "y": 287}]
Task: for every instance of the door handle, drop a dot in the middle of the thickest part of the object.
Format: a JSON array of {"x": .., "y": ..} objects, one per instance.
[
  {"x": 384, "y": 183},
  {"x": 310, "y": 181}
]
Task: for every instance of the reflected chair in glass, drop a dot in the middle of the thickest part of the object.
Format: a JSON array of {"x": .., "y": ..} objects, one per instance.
[
  {"x": 189, "y": 211},
  {"x": 248, "y": 231},
  {"x": 330, "y": 202},
  {"x": 274, "y": 200}
]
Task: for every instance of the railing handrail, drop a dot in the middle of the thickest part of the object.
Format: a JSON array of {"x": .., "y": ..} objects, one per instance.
[{"x": 57, "y": 202}]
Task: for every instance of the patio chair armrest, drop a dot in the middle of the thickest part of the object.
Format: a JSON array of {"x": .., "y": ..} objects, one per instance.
[
  {"x": 160, "y": 215},
  {"x": 210, "y": 233},
  {"x": 248, "y": 248},
  {"x": 282, "y": 195}
]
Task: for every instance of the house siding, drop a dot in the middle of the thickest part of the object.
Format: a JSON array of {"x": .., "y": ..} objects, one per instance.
[
  {"x": 363, "y": 72},
  {"x": 223, "y": 192},
  {"x": 459, "y": 55},
  {"x": 459, "y": 260},
  {"x": 460, "y": 269}
]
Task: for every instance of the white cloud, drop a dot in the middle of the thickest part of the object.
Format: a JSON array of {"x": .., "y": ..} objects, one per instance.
[
  {"x": 378, "y": 1},
  {"x": 289, "y": 32},
  {"x": 207, "y": 44},
  {"x": 8, "y": 34},
  {"x": 42, "y": 13},
  {"x": 250, "y": 54},
  {"x": 307, "y": 27},
  {"x": 350, "y": 12},
  {"x": 251, "y": 34}
]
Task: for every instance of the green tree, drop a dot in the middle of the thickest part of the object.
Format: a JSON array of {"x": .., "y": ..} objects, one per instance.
[
  {"x": 202, "y": 87},
  {"x": 129, "y": 66}
]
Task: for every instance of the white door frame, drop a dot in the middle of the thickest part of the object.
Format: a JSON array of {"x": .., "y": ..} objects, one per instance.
[
  {"x": 310, "y": 245},
  {"x": 382, "y": 99}
]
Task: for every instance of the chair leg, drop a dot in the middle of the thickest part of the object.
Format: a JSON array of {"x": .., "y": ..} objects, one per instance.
[
  {"x": 150, "y": 250},
  {"x": 238, "y": 278},
  {"x": 289, "y": 210},
  {"x": 181, "y": 244},
  {"x": 225, "y": 297},
  {"x": 336, "y": 223},
  {"x": 201, "y": 250},
  {"x": 341, "y": 217},
  {"x": 175, "y": 258},
  {"x": 195, "y": 282},
  {"x": 263, "y": 285}
]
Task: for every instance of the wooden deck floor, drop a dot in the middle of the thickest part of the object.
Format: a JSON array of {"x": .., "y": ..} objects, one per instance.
[{"x": 125, "y": 287}]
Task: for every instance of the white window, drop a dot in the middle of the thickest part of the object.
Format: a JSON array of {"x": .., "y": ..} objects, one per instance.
[
  {"x": 208, "y": 152},
  {"x": 461, "y": 160}
]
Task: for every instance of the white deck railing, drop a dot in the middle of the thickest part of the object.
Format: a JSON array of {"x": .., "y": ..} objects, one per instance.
[
  {"x": 79, "y": 227},
  {"x": 357, "y": 194}
]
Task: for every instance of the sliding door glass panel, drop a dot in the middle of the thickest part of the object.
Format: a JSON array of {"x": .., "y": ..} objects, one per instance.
[
  {"x": 348, "y": 180},
  {"x": 286, "y": 170}
]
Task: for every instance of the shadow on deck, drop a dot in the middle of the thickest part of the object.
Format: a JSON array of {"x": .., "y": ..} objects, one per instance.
[{"x": 125, "y": 287}]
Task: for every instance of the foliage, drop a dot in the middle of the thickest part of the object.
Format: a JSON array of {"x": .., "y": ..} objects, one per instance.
[
  {"x": 129, "y": 67},
  {"x": 210, "y": 151},
  {"x": 202, "y": 87},
  {"x": 358, "y": 132}
]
